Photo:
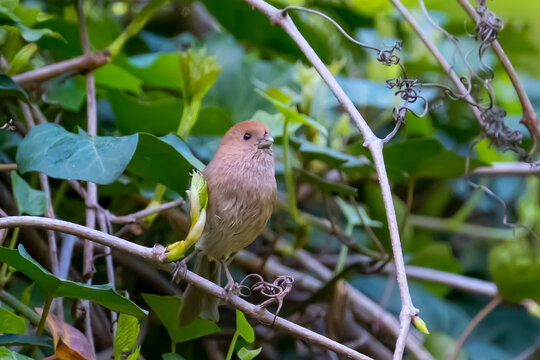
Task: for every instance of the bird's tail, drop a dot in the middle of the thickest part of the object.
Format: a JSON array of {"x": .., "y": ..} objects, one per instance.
[{"x": 196, "y": 302}]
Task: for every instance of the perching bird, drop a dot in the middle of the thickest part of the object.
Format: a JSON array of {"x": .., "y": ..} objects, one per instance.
[{"x": 241, "y": 193}]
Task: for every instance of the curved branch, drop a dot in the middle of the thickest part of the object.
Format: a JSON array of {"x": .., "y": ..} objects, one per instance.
[{"x": 157, "y": 256}]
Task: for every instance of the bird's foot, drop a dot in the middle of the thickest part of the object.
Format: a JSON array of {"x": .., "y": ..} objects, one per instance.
[
  {"x": 180, "y": 269},
  {"x": 231, "y": 288}
]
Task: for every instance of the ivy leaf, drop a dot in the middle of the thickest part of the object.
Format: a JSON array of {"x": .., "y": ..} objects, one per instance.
[
  {"x": 48, "y": 283},
  {"x": 243, "y": 328},
  {"x": 245, "y": 354},
  {"x": 9, "y": 88},
  {"x": 126, "y": 335},
  {"x": 49, "y": 148},
  {"x": 7, "y": 354},
  {"x": 29, "y": 201},
  {"x": 16, "y": 340},
  {"x": 11, "y": 323},
  {"x": 166, "y": 308}
]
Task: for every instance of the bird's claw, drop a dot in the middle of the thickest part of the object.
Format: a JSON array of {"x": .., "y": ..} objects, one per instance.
[
  {"x": 231, "y": 288},
  {"x": 179, "y": 272}
]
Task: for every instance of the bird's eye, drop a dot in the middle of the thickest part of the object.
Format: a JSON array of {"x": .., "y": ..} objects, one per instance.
[{"x": 247, "y": 136}]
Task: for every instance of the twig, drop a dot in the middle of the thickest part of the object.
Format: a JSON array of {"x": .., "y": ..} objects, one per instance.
[
  {"x": 508, "y": 169},
  {"x": 8, "y": 167},
  {"x": 474, "y": 322},
  {"x": 157, "y": 256},
  {"x": 91, "y": 199},
  {"x": 439, "y": 57},
  {"x": 375, "y": 146},
  {"x": 83, "y": 63},
  {"x": 529, "y": 116},
  {"x": 130, "y": 218},
  {"x": 486, "y": 232}
]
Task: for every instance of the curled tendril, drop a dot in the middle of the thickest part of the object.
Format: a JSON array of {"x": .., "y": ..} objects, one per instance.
[
  {"x": 498, "y": 133},
  {"x": 384, "y": 56},
  {"x": 8, "y": 126},
  {"x": 408, "y": 90},
  {"x": 488, "y": 24},
  {"x": 275, "y": 291},
  {"x": 387, "y": 56}
]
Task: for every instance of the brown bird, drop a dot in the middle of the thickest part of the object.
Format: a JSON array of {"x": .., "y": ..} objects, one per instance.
[{"x": 241, "y": 193}]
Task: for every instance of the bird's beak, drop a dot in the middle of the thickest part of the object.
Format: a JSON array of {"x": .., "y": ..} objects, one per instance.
[{"x": 266, "y": 142}]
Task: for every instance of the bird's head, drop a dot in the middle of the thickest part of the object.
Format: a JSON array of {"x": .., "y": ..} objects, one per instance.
[{"x": 248, "y": 136}]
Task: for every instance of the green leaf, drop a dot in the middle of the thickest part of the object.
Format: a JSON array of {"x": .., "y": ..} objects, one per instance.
[
  {"x": 138, "y": 22},
  {"x": 290, "y": 113},
  {"x": 27, "y": 294},
  {"x": 69, "y": 94},
  {"x": 32, "y": 35},
  {"x": 9, "y": 88},
  {"x": 516, "y": 270},
  {"x": 358, "y": 216},
  {"x": 243, "y": 328},
  {"x": 6, "y": 354},
  {"x": 21, "y": 58},
  {"x": 114, "y": 77},
  {"x": 158, "y": 161},
  {"x": 48, "y": 283},
  {"x": 11, "y": 323},
  {"x": 60, "y": 154},
  {"x": 213, "y": 121},
  {"x": 274, "y": 122},
  {"x": 29, "y": 201},
  {"x": 441, "y": 346},
  {"x": 171, "y": 356},
  {"x": 426, "y": 157},
  {"x": 155, "y": 70},
  {"x": 333, "y": 158},
  {"x": 127, "y": 331},
  {"x": 135, "y": 354},
  {"x": 16, "y": 340},
  {"x": 183, "y": 149},
  {"x": 159, "y": 116},
  {"x": 167, "y": 308},
  {"x": 245, "y": 354}
]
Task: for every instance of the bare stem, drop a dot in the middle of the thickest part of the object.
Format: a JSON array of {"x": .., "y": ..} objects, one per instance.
[
  {"x": 85, "y": 62},
  {"x": 91, "y": 199},
  {"x": 372, "y": 142},
  {"x": 529, "y": 116},
  {"x": 474, "y": 322},
  {"x": 8, "y": 167},
  {"x": 157, "y": 256}
]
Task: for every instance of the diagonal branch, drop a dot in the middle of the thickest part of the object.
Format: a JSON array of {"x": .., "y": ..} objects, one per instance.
[
  {"x": 157, "y": 256},
  {"x": 83, "y": 63},
  {"x": 529, "y": 116},
  {"x": 375, "y": 146}
]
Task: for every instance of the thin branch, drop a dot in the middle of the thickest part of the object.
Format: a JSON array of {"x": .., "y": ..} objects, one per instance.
[
  {"x": 375, "y": 146},
  {"x": 470, "y": 327},
  {"x": 134, "y": 217},
  {"x": 439, "y": 57},
  {"x": 508, "y": 169},
  {"x": 478, "y": 231},
  {"x": 8, "y": 167},
  {"x": 80, "y": 64},
  {"x": 91, "y": 199},
  {"x": 529, "y": 116},
  {"x": 157, "y": 256}
]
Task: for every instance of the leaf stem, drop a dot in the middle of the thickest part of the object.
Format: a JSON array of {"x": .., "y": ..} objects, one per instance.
[
  {"x": 231, "y": 347},
  {"x": 287, "y": 168},
  {"x": 46, "y": 308}
]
